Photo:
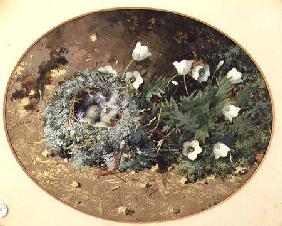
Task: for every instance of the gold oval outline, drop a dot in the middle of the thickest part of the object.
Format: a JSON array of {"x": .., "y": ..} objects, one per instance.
[{"x": 158, "y": 10}]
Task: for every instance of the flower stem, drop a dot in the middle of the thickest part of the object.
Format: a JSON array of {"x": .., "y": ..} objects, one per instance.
[
  {"x": 184, "y": 79},
  {"x": 127, "y": 67},
  {"x": 168, "y": 83}
]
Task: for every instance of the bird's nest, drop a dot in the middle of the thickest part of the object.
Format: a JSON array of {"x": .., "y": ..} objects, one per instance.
[{"x": 90, "y": 118}]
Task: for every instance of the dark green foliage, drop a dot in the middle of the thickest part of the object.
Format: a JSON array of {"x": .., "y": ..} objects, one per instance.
[
  {"x": 156, "y": 88},
  {"x": 139, "y": 159},
  {"x": 195, "y": 115},
  {"x": 199, "y": 116},
  {"x": 252, "y": 129}
]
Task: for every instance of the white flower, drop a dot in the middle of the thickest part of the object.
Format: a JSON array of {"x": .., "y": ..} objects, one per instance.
[
  {"x": 235, "y": 76},
  {"x": 191, "y": 149},
  {"x": 135, "y": 78},
  {"x": 220, "y": 150},
  {"x": 108, "y": 70},
  {"x": 183, "y": 67},
  {"x": 140, "y": 52},
  {"x": 201, "y": 73},
  {"x": 231, "y": 111}
]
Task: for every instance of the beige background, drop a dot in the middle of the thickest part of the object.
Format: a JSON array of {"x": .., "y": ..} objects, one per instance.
[{"x": 255, "y": 24}]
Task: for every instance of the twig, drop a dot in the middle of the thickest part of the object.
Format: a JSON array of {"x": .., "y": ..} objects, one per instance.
[
  {"x": 40, "y": 142},
  {"x": 170, "y": 81},
  {"x": 170, "y": 132},
  {"x": 100, "y": 209},
  {"x": 158, "y": 122},
  {"x": 151, "y": 121},
  {"x": 123, "y": 180},
  {"x": 72, "y": 114}
]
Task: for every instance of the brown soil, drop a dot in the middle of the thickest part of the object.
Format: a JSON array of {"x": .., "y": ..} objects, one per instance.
[{"x": 69, "y": 47}]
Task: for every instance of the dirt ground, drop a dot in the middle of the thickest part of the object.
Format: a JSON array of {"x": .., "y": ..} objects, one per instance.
[{"x": 150, "y": 196}]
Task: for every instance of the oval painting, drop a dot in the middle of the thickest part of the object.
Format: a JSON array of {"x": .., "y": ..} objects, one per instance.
[{"x": 138, "y": 115}]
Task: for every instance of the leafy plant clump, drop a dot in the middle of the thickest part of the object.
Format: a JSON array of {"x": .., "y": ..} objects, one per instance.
[{"x": 202, "y": 121}]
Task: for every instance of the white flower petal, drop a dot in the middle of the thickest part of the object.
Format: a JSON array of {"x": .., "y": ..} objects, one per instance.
[
  {"x": 201, "y": 73},
  {"x": 219, "y": 64},
  {"x": 196, "y": 71},
  {"x": 183, "y": 67},
  {"x": 108, "y": 70},
  {"x": 204, "y": 77},
  {"x": 230, "y": 111},
  {"x": 220, "y": 150},
  {"x": 174, "y": 83},
  {"x": 140, "y": 52},
  {"x": 192, "y": 156},
  {"x": 235, "y": 76}
]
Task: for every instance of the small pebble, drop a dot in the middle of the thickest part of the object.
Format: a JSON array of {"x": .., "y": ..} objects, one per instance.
[
  {"x": 46, "y": 153},
  {"x": 145, "y": 185},
  {"x": 175, "y": 211},
  {"x": 124, "y": 210},
  {"x": 66, "y": 160},
  {"x": 50, "y": 88},
  {"x": 25, "y": 102},
  {"x": 76, "y": 184},
  {"x": 57, "y": 73},
  {"x": 170, "y": 168},
  {"x": 240, "y": 170},
  {"x": 183, "y": 180},
  {"x": 155, "y": 168},
  {"x": 93, "y": 37},
  {"x": 132, "y": 172},
  {"x": 32, "y": 93},
  {"x": 115, "y": 188},
  {"x": 211, "y": 177}
]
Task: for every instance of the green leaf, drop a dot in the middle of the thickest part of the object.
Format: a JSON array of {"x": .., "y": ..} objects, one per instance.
[
  {"x": 156, "y": 89},
  {"x": 185, "y": 121},
  {"x": 201, "y": 134}
]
